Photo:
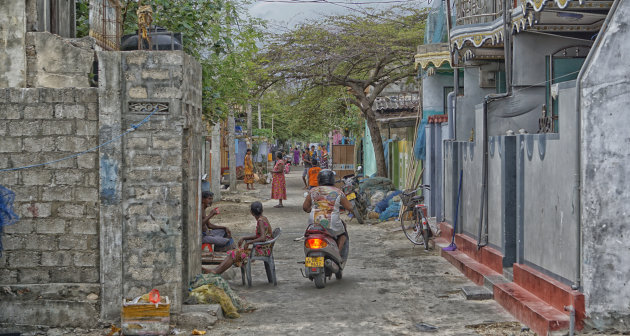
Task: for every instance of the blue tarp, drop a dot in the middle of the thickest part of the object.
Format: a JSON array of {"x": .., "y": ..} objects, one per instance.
[
  {"x": 392, "y": 211},
  {"x": 7, "y": 215}
]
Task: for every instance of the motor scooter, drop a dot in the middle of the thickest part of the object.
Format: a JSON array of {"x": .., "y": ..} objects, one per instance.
[
  {"x": 322, "y": 255},
  {"x": 358, "y": 199}
]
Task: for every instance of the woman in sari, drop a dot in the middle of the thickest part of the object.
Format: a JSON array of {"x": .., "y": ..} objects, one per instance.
[
  {"x": 249, "y": 170},
  {"x": 278, "y": 186}
]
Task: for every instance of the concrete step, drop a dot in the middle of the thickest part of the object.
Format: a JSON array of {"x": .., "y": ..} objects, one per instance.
[{"x": 531, "y": 310}]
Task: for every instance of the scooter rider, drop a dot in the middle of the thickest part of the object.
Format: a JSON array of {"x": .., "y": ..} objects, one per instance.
[{"x": 323, "y": 204}]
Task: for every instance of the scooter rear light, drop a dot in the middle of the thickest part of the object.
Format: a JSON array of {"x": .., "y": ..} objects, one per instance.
[{"x": 315, "y": 243}]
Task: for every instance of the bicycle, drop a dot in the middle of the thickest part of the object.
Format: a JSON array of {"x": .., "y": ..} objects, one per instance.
[{"x": 414, "y": 220}]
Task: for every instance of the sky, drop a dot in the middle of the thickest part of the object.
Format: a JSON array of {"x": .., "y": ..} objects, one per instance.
[{"x": 288, "y": 13}]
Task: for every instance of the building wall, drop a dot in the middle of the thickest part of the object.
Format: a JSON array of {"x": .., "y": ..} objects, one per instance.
[
  {"x": 53, "y": 250},
  {"x": 529, "y": 53},
  {"x": 473, "y": 95},
  {"x": 46, "y": 66},
  {"x": 546, "y": 169},
  {"x": 433, "y": 92},
  {"x": 161, "y": 173},
  {"x": 12, "y": 34},
  {"x": 605, "y": 171}
]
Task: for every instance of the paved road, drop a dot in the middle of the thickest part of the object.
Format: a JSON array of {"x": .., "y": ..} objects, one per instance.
[{"x": 388, "y": 287}]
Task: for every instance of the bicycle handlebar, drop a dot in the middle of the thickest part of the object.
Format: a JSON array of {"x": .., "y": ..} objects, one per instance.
[{"x": 413, "y": 191}]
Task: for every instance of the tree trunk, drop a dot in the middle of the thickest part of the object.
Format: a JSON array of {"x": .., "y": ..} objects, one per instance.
[{"x": 377, "y": 142}]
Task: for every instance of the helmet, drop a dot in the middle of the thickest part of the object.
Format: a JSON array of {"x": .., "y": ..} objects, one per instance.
[{"x": 326, "y": 177}]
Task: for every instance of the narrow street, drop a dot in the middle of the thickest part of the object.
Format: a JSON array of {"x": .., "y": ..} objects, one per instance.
[{"x": 388, "y": 287}]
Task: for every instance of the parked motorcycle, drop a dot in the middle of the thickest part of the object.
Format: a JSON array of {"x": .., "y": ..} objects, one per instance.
[
  {"x": 322, "y": 255},
  {"x": 359, "y": 201}
]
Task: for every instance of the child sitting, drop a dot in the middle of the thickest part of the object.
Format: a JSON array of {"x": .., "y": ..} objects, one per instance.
[{"x": 239, "y": 255}]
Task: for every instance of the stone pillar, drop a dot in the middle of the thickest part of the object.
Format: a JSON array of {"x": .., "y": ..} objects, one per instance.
[
  {"x": 110, "y": 187},
  {"x": 259, "y": 117},
  {"x": 13, "y": 42},
  {"x": 216, "y": 161},
  {"x": 249, "y": 125},
  {"x": 231, "y": 151}
]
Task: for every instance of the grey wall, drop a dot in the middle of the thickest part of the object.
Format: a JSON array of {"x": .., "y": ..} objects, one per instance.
[
  {"x": 53, "y": 250},
  {"x": 546, "y": 169},
  {"x": 55, "y": 62},
  {"x": 12, "y": 35},
  {"x": 605, "y": 170},
  {"x": 433, "y": 91},
  {"x": 473, "y": 95},
  {"x": 161, "y": 174},
  {"x": 530, "y": 50}
]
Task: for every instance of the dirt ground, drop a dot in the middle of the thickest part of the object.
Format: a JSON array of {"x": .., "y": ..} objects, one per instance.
[{"x": 389, "y": 287}]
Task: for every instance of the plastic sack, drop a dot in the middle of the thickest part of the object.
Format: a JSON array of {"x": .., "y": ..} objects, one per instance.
[
  {"x": 391, "y": 211},
  {"x": 213, "y": 294},
  {"x": 377, "y": 197}
]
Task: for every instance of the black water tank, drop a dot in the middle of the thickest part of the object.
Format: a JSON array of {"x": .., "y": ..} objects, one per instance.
[{"x": 161, "y": 39}]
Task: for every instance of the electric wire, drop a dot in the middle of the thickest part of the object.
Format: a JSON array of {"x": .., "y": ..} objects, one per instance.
[{"x": 131, "y": 129}]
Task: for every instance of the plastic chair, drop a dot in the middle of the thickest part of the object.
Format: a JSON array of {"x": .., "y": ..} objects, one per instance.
[{"x": 270, "y": 266}]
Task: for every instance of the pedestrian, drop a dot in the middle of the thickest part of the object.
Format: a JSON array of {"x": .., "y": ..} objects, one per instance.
[
  {"x": 249, "y": 170},
  {"x": 278, "y": 185},
  {"x": 240, "y": 254},
  {"x": 296, "y": 157},
  {"x": 307, "y": 165},
  {"x": 324, "y": 163},
  {"x": 312, "y": 175}
]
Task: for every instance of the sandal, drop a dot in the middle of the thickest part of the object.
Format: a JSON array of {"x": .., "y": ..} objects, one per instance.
[{"x": 278, "y": 206}]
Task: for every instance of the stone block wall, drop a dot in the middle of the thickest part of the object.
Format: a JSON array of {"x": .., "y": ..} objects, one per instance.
[
  {"x": 56, "y": 239},
  {"x": 12, "y": 34},
  {"x": 161, "y": 172}
]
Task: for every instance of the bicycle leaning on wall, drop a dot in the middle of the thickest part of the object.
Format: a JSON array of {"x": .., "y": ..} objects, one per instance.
[{"x": 413, "y": 220}]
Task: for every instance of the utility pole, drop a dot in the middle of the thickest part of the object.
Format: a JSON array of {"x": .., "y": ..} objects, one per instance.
[
  {"x": 216, "y": 161},
  {"x": 249, "y": 125},
  {"x": 232, "y": 150},
  {"x": 259, "y": 117}
]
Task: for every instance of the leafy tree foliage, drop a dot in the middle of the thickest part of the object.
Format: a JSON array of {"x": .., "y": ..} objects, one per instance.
[
  {"x": 364, "y": 53},
  {"x": 220, "y": 35}
]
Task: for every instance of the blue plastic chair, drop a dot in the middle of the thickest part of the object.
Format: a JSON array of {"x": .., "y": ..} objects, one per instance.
[{"x": 270, "y": 266}]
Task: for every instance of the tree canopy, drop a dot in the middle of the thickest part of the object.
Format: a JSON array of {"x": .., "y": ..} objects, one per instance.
[{"x": 363, "y": 53}]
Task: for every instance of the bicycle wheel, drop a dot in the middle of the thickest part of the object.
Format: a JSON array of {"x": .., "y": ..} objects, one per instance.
[{"x": 411, "y": 227}]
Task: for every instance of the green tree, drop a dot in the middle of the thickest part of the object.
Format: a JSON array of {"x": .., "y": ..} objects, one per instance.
[
  {"x": 364, "y": 53},
  {"x": 220, "y": 35}
]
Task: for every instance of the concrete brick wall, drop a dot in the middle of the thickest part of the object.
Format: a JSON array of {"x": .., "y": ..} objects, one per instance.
[
  {"x": 50, "y": 264},
  {"x": 161, "y": 172},
  {"x": 56, "y": 239}
]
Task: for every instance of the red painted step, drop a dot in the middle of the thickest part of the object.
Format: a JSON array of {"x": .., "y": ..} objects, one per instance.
[
  {"x": 529, "y": 309},
  {"x": 554, "y": 292},
  {"x": 471, "y": 268}
]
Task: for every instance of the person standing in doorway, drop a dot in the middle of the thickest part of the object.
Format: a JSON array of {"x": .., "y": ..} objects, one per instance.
[{"x": 278, "y": 186}]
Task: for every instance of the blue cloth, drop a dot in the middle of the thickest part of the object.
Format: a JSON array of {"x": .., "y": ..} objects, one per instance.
[
  {"x": 386, "y": 202},
  {"x": 7, "y": 214},
  {"x": 386, "y": 152},
  {"x": 392, "y": 211},
  {"x": 419, "y": 148}
]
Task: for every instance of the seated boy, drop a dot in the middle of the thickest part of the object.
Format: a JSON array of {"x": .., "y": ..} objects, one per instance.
[{"x": 312, "y": 174}]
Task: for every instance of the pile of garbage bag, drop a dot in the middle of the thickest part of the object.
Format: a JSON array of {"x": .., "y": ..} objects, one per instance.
[{"x": 212, "y": 288}]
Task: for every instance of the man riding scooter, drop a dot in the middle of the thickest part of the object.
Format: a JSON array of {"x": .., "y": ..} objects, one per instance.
[
  {"x": 323, "y": 202},
  {"x": 326, "y": 239}
]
